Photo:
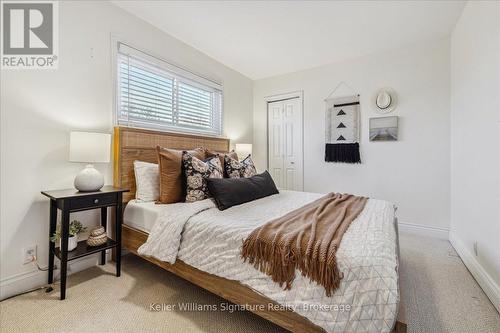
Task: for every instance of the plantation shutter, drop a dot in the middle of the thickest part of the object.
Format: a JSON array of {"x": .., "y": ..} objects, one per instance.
[{"x": 155, "y": 94}]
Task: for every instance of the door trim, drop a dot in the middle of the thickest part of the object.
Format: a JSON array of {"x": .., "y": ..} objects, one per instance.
[{"x": 283, "y": 97}]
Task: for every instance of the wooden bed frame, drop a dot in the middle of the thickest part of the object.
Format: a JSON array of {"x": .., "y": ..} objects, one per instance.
[{"x": 139, "y": 144}]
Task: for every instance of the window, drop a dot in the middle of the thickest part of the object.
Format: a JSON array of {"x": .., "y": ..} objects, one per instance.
[{"x": 152, "y": 93}]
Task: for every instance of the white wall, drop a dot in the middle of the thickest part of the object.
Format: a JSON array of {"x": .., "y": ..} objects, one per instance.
[
  {"x": 39, "y": 109},
  {"x": 475, "y": 142},
  {"x": 413, "y": 172}
]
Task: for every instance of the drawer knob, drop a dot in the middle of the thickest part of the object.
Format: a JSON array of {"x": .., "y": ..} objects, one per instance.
[{"x": 96, "y": 201}]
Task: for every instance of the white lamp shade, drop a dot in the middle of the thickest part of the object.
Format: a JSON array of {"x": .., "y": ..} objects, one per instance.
[
  {"x": 89, "y": 147},
  {"x": 243, "y": 149}
]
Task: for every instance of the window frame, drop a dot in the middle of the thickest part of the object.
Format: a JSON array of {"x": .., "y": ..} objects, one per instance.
[{"x": 181, "y": 75}]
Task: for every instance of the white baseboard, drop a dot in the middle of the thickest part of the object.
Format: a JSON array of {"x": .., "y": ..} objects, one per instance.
[
  {"x": 18, "y": 283},
  {"x": 489, "y": 286},
  {"x": 423, "y": 230}
]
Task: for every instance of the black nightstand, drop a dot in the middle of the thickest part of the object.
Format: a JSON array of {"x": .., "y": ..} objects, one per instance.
[{"x": 72, "y": 200}]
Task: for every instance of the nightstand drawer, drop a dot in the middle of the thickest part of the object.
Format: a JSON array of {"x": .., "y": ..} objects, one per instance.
[{"x": 92, "y": 201}]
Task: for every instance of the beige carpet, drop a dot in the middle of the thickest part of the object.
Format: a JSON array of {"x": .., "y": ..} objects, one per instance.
[{"x": 438, "y": 295}]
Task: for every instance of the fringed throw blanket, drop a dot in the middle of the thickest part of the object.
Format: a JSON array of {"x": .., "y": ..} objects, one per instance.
[
  {"x": 342, "y": 130},
  {"x": 306, "y": 238}
]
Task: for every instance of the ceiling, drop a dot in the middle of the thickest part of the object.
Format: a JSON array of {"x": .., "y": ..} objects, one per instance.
[{"x": 266, "y": 38}]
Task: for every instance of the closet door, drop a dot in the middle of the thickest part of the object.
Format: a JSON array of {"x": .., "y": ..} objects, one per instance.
[
  {"x": 275, "y": 142},
  {"x": 292, "y": 149},
  {"x": 285, "y": 143}
]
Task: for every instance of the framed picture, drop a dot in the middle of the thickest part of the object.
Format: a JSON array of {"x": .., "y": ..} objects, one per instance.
[{"x": 384, "y": 129}]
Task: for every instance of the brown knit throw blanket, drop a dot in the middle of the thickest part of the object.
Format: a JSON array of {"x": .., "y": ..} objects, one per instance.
[{"x": 306, "y": 238}]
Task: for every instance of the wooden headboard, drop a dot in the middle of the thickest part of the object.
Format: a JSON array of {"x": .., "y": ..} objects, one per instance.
[{"x": 130, "y": 144}]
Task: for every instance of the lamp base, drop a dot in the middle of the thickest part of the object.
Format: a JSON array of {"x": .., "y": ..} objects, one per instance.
[{"x": 89, "y": 179}]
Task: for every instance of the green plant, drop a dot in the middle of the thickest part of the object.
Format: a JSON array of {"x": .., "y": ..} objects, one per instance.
[{"x": 75, "y": 227}]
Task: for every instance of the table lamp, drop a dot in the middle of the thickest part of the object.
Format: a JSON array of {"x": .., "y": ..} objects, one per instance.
[
  {"x": 89, "y": 148},
  {"x": 243, "y": 150}
]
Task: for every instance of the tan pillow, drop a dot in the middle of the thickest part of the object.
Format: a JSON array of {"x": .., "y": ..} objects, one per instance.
[
  {"x": 172, "y": 187},
  {"x": 231, "y": 154}
]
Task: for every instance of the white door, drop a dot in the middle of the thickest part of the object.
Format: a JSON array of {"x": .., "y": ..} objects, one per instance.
[
  {"x": 275, "y": 144},
  {"x": 285, "y": 143}
]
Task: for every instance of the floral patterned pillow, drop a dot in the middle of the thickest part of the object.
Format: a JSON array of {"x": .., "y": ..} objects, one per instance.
[
  {"x": 197, "y": 172},
  {"x": 236, "y": 169}
]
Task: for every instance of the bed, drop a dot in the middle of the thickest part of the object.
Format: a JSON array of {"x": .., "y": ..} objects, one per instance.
[{"x": 209, "y": 251}]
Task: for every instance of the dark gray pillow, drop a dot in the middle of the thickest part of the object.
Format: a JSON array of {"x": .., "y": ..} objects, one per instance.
[{"x": 229, "y": 192}]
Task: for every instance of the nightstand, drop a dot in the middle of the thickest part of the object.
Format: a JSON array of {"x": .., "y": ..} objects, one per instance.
[{"x": 69, "y": 201}]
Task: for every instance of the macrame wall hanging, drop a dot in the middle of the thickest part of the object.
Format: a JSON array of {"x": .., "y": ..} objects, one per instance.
[{"x": 342, "y": 128}]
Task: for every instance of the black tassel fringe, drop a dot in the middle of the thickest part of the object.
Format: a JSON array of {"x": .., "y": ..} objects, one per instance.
[{"x": 342, "y": 152}]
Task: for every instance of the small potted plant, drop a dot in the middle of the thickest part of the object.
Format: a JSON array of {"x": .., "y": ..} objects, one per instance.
[{"x": 75, "y": 227}]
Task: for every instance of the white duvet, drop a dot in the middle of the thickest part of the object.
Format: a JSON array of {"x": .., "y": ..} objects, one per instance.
[{"x": 210, "y": 240}]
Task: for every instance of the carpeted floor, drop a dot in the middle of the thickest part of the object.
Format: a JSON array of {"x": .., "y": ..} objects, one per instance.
[{"x": 438, "y": 295}]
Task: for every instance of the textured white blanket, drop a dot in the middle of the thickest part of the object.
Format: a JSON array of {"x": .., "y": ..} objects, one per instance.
[
  {"x": 367, "y": 300},
  {"x": 165, "y": 237}
]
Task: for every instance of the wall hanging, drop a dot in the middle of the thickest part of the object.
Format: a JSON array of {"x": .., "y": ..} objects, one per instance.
[
  {"x": 384, "y": 129},
  {"x": 342, "y": 129}
]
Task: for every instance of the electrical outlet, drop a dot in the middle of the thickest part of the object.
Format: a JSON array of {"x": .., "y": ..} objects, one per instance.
[
  {"x": 475, "y": 248},
  {"x": 28, "y": 253}
]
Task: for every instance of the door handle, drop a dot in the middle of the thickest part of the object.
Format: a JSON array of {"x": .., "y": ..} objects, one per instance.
[{"x": 292, "y": 162}]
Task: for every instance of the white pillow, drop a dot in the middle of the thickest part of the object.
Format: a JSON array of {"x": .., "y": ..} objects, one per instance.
[{"x": 147, "y": 181}]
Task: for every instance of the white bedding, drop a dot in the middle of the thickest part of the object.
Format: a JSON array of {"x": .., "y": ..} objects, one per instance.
[
  {"x": 141, "y": 215},
  {"x": 211, "y": 241}
]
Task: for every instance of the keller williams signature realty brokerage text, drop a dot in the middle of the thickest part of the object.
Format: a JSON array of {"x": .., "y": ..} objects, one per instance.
[{"x": 230, "y": 307}]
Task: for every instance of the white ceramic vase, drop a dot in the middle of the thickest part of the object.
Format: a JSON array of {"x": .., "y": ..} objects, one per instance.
[
  {"x": 89, "y": 179},
  {"x": 72, "y": 242}
]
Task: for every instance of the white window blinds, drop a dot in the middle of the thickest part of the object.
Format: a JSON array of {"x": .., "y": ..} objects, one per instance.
[{"x": 155, "y": 94}]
